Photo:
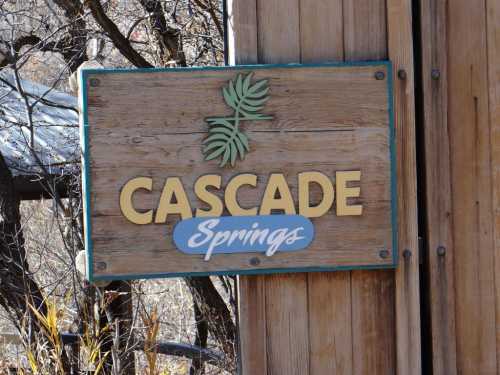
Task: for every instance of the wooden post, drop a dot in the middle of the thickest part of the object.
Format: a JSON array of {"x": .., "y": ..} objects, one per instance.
[
  {"x": 438, "y": 229},
  {"x": 461, "y": 81},
  {"x": 362, "y": 322},
  {"x": 493, "y": 37}
]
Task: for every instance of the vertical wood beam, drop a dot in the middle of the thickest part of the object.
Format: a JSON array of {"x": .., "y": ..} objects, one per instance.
[
  {"x": 279, "y": 31},
  {"x": 357, "y": 320},
  {"x": 471, "y": 181},
  {"x": 252, "y": 324},
  {"x": 268, "y": 315},
  {"x": 287, "y": 324},
  {"x": 323, "y": 39},
  {"x": 400, "y": 47},
  {"x": 287, "y": 347},
  {"x": 330, "y": 323},
  {"x": 242, "y": 32},
  {"x": 329, "y": 294},
  {"x": 373, "y": 323},
  {"x": 493, "y": 37},
  {"x": 365, "y": 30},
  {"x": 373, "y": 328},
  {"x": 438, "y": 207}
]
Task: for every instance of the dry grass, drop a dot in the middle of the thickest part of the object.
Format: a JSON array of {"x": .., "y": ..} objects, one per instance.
[{"x": 163, "y": 308}]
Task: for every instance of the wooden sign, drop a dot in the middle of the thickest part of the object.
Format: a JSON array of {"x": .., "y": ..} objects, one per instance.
[{"x": 249, "y": 169}]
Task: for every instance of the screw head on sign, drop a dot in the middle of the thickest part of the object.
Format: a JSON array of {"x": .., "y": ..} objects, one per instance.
[
  {"x": 435, "y": 74},
  {"x": 384, "y": 254},
  {"x": 407, "y": 254},
  {"x": 100, "y": 266},
  {"x": 254, "y": 261},
  {"x": 379, "y": 75},
  {"x": 94, "y": 82},
  {"x": 441, "y": 251},
  {"x": 402, "y": 74}
]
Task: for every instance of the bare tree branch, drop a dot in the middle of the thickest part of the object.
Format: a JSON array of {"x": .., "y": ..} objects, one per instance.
[
  {"x": 120, "y": 42},
  {"x": 211, "y": 10},
  {"x": 75, "y": 52},
  {"x": 167, "y": 37},
  {"x": 215, "y": 311}
]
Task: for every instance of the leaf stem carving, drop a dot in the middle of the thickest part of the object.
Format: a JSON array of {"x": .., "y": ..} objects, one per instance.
[{"x": 225, "y": 139}]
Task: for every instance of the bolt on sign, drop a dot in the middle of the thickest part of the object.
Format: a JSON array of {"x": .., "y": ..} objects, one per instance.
[{"x": 250, "y": 169}]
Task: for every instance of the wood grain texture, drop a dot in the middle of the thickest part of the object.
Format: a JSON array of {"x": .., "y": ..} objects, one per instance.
[
  {"x": 241, "y": 35},
  {"x": 471, "y": 180},
  {"x": 400, "y": 46},
  {"x": 371, "y": 296},
  {"x": 279, "y": 41},
  {"x": 329, "y": 294},
  {"x": 365, "y": 30},
  {"x": 251, "y": 289},
  {"x": 252, "y": 324},
  {"x": 322, "y": 39},
  {"x": 366, "y": 38},
  {"x": 287, "y": 324},
  {"x": 334, "y": 94},
  {"x": 163, "y": 142},
  {"x": 278, "y": 31},
  {"x": 493, "y": 37},
  {"x": 330, "y": 323},
  {"x": 373, "y": 329},
  {"x": 438, "y": 205},
  {"x": 462, "y": 151}
]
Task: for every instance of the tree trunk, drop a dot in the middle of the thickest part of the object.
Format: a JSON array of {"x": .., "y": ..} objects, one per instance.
[
  {"x": 216, "y": 313},
  {"x": 17, "y": 286},
  {"x": 119, "y": 317},
  {"x": 18, "y": 289}
]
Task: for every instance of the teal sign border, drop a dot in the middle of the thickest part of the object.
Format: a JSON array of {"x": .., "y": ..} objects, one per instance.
[{"x": 86, "y": 183}]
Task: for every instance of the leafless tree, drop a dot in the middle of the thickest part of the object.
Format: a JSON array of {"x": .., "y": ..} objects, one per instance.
[{"x": 47, "y": 41}]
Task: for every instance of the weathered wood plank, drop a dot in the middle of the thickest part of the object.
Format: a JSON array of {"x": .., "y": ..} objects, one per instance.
[
  {"x": 468, "y": 115},
  {"x": 342, "y": 98},
  {"x": 365, "y": 33},
  {"x": 493, "y": 37},
  {"x": 278, "y": 42},
  {"x": 321, "y": 31},
  {"x": 371, "y": 288},
  {"x": 330, "y": 323},
  {"x": 252, "y": 324},
  {"x": 373, "y": 323},
  {"x": 329, "y": 294},
  {"x": 438, "y": 230},
  {"x": 278, "y": 31},
  {"x": 160, "y": 154},
  {"x": 241, "y": 31},
  {"x": 287, "y": 324},
  {"x": 153, "y": 260},
  {"x": 251, "y": 289},
  {"x": 365, "y": 38},
  {"x": 400, "y": 47}
]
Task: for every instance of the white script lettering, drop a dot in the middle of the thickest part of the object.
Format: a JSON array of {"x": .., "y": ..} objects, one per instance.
[{"x": 207, "y": 234}]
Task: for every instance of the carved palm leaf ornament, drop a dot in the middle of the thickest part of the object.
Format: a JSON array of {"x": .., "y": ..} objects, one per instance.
[{"x": 226, "y": 139}]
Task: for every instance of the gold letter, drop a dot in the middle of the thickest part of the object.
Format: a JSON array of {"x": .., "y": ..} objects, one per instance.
[
  {"x": 200, "y": 189},
  {"x": 277, "y": 183},
  {"x": 231, "y": 198},
  {"x": 126, "y": 200},
  {"x": 324, "y": 182},
  {"x": 343, "y": 192},
  {"x": 173, "y": 187}
]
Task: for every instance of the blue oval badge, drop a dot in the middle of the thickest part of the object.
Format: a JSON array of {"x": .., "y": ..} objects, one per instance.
[{"x": 240, "y": 234}]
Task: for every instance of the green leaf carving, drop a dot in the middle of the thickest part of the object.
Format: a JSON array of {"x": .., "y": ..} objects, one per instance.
[{"x": 246, "y": 99}]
